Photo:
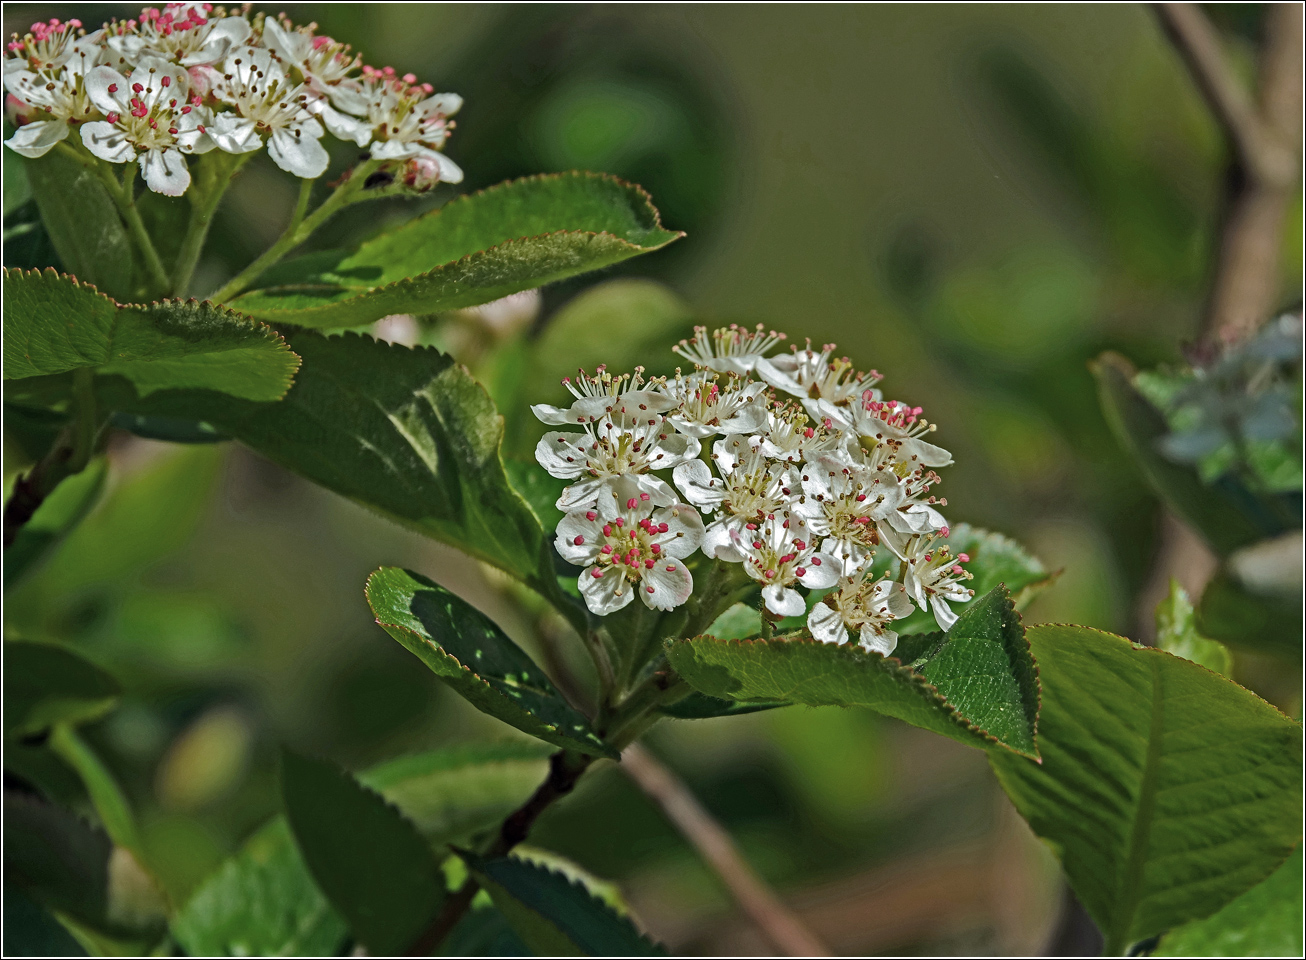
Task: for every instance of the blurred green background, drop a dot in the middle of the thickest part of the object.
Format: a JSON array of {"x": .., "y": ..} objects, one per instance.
[{"x": 975, "y": 200}]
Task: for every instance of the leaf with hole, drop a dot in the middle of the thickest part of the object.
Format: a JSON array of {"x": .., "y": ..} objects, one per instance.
[
  {"x": 452, "y": 793},
  {"x": 406, "y": 432},
  {"x": 979, "y": 686},
  {"x": 54, "y": 324},
  {"x": 45, "y": 684},
  {"x": 554, "y": 915},
  {"x": 466, "y": 650},
  {"x": 1166, "y": 789},
  {"x": 480, "y": 247},
  {"x": 1266, "y": 921},
  {"x": 262, "y": 902},
  {"x": 369, "y": 860}
]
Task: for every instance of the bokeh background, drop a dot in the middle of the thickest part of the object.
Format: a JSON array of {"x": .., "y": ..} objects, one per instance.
[{"x": 975, "y": 200}]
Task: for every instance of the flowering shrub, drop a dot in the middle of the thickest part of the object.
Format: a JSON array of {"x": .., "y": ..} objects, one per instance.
[{"x": 774, "y": 514}]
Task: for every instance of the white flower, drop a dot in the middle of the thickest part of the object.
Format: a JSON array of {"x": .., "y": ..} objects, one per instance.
[
  {"x": 704, "y": 406},
  {"x": 600, "y": 394},
  {"x": 52, "y": 97},
  {"x": 615, "y": 455},
  {"x": 637, "y": 551},
  {"x": 407, "y": 121},
  {"x": 848, "y": 504},
  {"x": 934, "y": 578},
  {"x": 812, "y": 377},
  {"x": 890, "y": 422},
  {"x": 778, "y": 553},
  {"x": 790, "y": 436},
  {"x": 746, "y": 491},
  {"x": 182, "y": 32},
  {"x": 266, "y": 101},
  {"x": 147, "y": 119},
  {"x": 864, "y": 606},
  {"x": 48, "y": 46},
  {"x": 324, "y": 65},
  {"x": 731, "y": 349}
]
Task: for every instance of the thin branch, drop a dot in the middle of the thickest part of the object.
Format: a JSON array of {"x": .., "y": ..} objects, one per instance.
[{"x": 758, "y": 901}]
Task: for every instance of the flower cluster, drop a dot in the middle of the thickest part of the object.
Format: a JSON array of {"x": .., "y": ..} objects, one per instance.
[
  {"x": 791, "y": 464},
  {"x": 191, "y": 77}
]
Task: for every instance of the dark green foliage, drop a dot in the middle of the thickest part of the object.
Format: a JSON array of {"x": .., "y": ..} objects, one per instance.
[
  {"x": 45, "y": 684},
  {"x": 466, "y": 650}
]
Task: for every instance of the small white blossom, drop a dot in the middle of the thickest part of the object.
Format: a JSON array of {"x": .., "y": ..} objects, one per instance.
[
  {"x": 408, "y": 121},
  {"x": 852, "y": 507},
  {"x": 812, "y": 377},
  {"x": 790, "y": 435},
  {"x": 184, "y": 32},
  {"x": 731, "y": 349},
  {"x": 934, "y": 579},
  {"x": 600, "y": 394},
  {"x": 892, "y": 422},
  {"x": 52, "y": 97},
  {"x": 639, "y": 551},
  {"x": 324, "y": 67},
  {"x": 863, "y": 607},
  {"x": 267, "y": 102},
  {"x": 148, "y": 119},
  {"x": 47, "y": 47},
  {"x": 778, "y": 553},
  {"x": 703, "y": 406}
]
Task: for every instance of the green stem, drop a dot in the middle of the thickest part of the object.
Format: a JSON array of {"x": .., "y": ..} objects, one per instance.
[
  {"x": 107, "y": 797},
  {"x": 124, "y": 195},
  {"x": 297, "y": 233},
  {"x": 768, "y": 626},
  {"x": 301, "y": 205},
  {"x": 218, "y": 169}
]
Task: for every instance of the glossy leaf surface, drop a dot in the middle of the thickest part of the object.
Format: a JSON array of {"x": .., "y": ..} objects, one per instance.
[
  {"x": 369, "y": 860},
  {"x": 1166, "y": 789},
  {"x": 477, "y": 248},
  {"x": 556, "y": 916},
  {"x": 466, "y": 650},
  {"x": 979, "y": 687},
  {"x": 261, "y": 902},
  {"x": 54, "y": 324}
]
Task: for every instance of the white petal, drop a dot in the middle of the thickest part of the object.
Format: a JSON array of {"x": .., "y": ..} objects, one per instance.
[
  {"x": 574, "y": 525},
  {"x": 34, "y": 140},
  {"x": 443, "y": 103},
  {"x": 107, "y": 142},
  {"x": 607, "y": 593},
  {"x": 666, "y": 585},
  {"x": 585, "y": 494},
  {"x": 450, "y": 172},
  {"x": 302, "y": 156},
  {"x": 782, "y": 601},
  {"x": 554, "y": 416},
  {"x": 698, "y": 486},
  {"x": 341, "y": 125},
  {"x": 878, "y": 641},
  {"x": 750, "y": 418},
  {"x": 675, "y": 449},
  {"x": 826, "y": 624},
  {"x": 925, "y": 453},
  {"x": 347, "y": 96},
  {"x": 165, "y": 172},
  {"x": 819, "y": 571},
  {"x": 719, "y": 540},
  {"x": 943, "y": 614},
  {"x": 684, "y": 530},
  {"x": 234, "y": 134},
  {"x": 395, "y": 150},
  {"x": 560, "y": 454},
  {"x": 290, "y": 45},
  {"x": 98, "y": 81}
]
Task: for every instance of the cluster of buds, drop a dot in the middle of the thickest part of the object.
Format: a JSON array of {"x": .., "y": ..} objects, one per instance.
[
  {"x": 791, "y": 464},
  {"x": 190, "y": 78}
]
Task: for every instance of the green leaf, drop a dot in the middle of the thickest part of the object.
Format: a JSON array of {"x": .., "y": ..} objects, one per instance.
[
  {"x": 477, "y": 248},
  {"x": 53, "y": 324},
  {"x": 262, "y": 902},
  {"x": 1166, "y": 789},
  {"x": 58, "y": 859},
  {"x": 466, "y": 650},
  {"x": 404, "y": 431},
  {"x": 699, "y": 706},
  {"x": 369, "y": 860},
  {"x": 453, "y": 793},
  {"x": 1139, "y": 427},
  {"x": 980, "y": 688},
  {"x": 58, "y": 514},
  {"x": 46, "y": 684},
  {"x": 83, "y": 224},
  {"x": 1266, "y": 921},
  {"x": 1233, "y": 614},
  {"x": 1177, "y": 633},
  {"x": 555, "y": 916},
  {"x": 31, "y": 931}
]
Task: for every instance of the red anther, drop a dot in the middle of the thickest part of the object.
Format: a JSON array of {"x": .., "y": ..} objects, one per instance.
[
  {"x": 607, "y": 548},
  {"x": 801, "y": 571},
  {"x": 137, "y": 88},
  {"x": 655, "y": 548},
  {"x": 578, "y": 540},
  {"x": 750, "y": 526},
  {"x": 596, "y": 573},
  {"x": 643, "y": 496},
  {"x": 964, "y": 558},
  {"x": 165, "y": 82},
  {"x": 171, "y": 130},
  {"x": 800, "y": 544},
  {"x": 590, "y": 515},
  {"x": 607, "y": 529},
  {"x": 816, "y": 561},
  {"x": 663, "y": 528},
  {"x": 862, "y": 520},
  {"x": 648, "y": 564},
  {"x": 630, "y": 504},
  {"x": 860, "y": 497},
  {"x": 185, "y": 110},
  {"x": 113, "y": 88},
  {"x": 944, "y": 531},
  {"x": 757, "y": 544},
  {"x": 671, "y": 568},
  {"x": 769, "y": 574},
  {"x": 410, "y": 78},
  {"x": 957, "y": 570},
  {"x": 620, "y": 522},
  {"x": 112, "y": 118},
  {"x": 809, "y": 433},
  {"x": 648, "y": 590}
]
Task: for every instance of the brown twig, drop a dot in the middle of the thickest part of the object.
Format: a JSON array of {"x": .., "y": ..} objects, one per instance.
[
  {"x": 1264, "y": 134},
  {"x": 780, "y": 924}
]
